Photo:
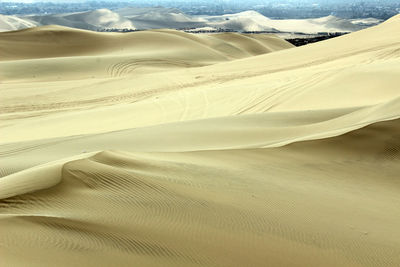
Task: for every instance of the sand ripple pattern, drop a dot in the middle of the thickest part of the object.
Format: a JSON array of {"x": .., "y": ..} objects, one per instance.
[{"x": 203, "y": 209}]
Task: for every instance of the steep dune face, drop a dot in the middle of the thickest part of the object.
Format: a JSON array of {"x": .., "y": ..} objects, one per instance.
[{"x": 285, "y": 159}]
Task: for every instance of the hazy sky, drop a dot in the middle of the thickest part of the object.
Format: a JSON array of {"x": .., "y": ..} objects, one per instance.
[
  {"x": 226, "y": 1},
  {"x": 32, "y": 1}
]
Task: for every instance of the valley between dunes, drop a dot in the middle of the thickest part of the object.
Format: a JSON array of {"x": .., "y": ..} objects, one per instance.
[{"x": 163, "y": 148}]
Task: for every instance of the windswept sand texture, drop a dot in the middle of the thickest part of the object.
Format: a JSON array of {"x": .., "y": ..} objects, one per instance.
[{"x": 162, "y": 148}]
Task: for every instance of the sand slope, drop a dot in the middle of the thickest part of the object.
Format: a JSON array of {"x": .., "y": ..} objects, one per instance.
[{"x": 289, "y": 158}]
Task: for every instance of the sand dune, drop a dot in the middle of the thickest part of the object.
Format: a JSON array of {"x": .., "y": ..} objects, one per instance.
[
  {"x": 13, "y": 23},
  {"x": 238, "y": 157}
]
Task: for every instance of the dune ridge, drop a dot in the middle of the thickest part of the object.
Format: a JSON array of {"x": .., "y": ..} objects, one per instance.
[
  {"x": 45, "y": 43},
  {"x": 34, "y": 179},
  {"x": 91, "y": 55},
  {"x": 237, "y": 158}
]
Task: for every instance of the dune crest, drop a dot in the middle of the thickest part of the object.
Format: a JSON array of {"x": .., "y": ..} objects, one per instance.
[{"x": 34, "y": 179}]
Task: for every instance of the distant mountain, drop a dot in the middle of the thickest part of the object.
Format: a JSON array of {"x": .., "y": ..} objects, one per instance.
[{"x": 172, "y": 18}]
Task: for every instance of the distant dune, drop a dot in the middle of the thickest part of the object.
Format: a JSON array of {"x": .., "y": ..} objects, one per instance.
[
  {"x": 13, "y": 23},
  {"x": 90, "y": 20},
  {"x": 159, "y": 17},
  {"x": 164, "y": 148},
  {"x": 171, "y": 18},
  {"x": 254, "y": 21}
]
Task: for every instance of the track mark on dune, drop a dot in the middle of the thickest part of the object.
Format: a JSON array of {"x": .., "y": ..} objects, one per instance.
[
  {"x": 128, "y": 66},
  {"x": 389, "y": 54},
  {"x": 262, "y": 102},
  {"x": 206, "y": 105}
]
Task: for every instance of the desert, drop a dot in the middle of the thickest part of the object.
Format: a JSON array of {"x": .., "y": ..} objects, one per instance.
[{"x": 166, "y": 148}]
